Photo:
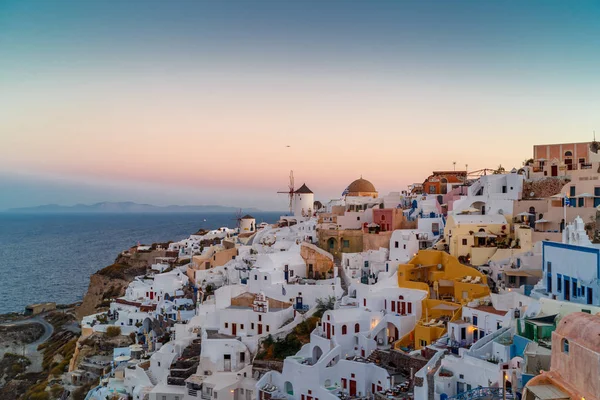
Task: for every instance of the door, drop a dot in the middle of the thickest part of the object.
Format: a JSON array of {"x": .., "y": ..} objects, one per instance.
[
  {"x": 260, "y": 329},
  {"x": 402, "y": 308},
  {"x": 344, "y": 383},
  {"x": 233, "y": 329},
  {"x": 589, "y": 295},
  {"x": 352, "y": 388},
  {"x": 299, "y": 304},
  {"x": 567, "y": 287},
  {"x": 151, "y": 295},
  {"x": 286, "y": 273},
  {"x": 554, "y": 170},
  {"x": 328, "y": 331},
  {"x": 227, "y": 362}
]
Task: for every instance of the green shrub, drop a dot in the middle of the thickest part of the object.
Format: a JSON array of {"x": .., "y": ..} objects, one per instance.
[{"x": 113, "y": 331}]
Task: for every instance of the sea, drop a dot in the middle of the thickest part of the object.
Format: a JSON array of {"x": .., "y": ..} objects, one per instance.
[{"x": 50, "y": 257}]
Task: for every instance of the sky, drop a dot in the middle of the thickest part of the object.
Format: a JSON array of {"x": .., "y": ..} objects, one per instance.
[{"x": 196, "y": 102}]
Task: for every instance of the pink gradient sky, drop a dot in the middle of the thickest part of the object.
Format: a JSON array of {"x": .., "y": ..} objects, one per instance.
[{"x": 196, "y": 105}]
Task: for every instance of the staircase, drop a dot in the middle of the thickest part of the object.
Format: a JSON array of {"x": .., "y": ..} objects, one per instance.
[{"x": 150, "y": 375}]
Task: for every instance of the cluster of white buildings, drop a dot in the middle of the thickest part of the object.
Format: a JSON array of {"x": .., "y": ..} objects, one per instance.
[{"x": 407, "y": 319}]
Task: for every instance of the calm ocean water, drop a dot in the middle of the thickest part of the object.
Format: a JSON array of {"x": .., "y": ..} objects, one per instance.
[{"x": 51, "y": 257}]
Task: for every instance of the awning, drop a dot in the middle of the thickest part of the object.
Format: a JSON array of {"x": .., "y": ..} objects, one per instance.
[
  {"x": 445, "y": 307},
  {"x": 585, "y": 195},
  {"x": 541, "y": 221},
  {"x": 524, "y": 214},
  {"x": 548, "y": 392},
  {"x": 484, "y": 234},
  {"x": 517, "y": 272},
  {"x": 445, "y": 283}
]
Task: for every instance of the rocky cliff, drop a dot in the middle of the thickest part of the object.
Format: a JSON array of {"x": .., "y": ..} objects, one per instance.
[{"x": 111, "y": 281}]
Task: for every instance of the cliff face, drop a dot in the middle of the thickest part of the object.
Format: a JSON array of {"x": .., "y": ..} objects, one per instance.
[{"x": 111, "y": 281}]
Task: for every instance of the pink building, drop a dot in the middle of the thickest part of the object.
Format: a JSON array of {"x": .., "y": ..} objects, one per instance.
[{"x": 388, "y": 219}]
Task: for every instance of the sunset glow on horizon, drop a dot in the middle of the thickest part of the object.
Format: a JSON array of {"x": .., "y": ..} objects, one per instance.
[{"x": 195, "y": 102}]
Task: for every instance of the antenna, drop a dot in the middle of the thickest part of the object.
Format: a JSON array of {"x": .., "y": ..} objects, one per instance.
[{"x": 290, "y": 191}]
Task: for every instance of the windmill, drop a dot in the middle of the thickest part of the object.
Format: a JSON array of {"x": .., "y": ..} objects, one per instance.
[
  {"x": 290, "y": 192},
  {"x": 238, "y": 218}
]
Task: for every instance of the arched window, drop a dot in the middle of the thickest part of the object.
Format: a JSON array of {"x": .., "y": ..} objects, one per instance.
[
  {"x": 401, "y": 297},
  {"x": 344, "y": 329},
  {"x": 565, "y": 346},
  {"x": 568, "y": 154},
  {"x": 356, "y": 328},
  {"x": 383, "y": 217}
]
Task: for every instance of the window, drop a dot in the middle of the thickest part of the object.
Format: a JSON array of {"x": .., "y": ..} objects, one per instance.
[
  {"x": 574, "y": 288},
  {"x": 404, "y": 247},
  {"x": 512, "y": 280},
  {"x": 255, "y": 277},
  {"x": 267, "y": 328},
  {"x": 503, "y": 189},
  {"x": 226, "y": 325},
  {"x": 432, "y": 189},
  {"x": 580, "y": 202},
  {"x": 265, "y": 277},
  {"x": 358, "y": 218},
  {"x": 344, "y": 330},
  {"x": 346, "y": 243},
  {"x": 423, "y": 343},
  {"x": 558, "y": 282},
  {"x": 565, "y": 346},
  {"x": 356, "y": 328},
  {"x": 252, "y": 325},
  {"x": 461, "y": 376},
  {"x": 383, "y": 217},
  {"x": 164, "y": 398},
  {"x": 548, "y": 266},
  {"x": 241, "y": 326},
  {"x": 572, "y": 191},
  {"x": 568, "y": 153},
  {"x": 176, "y": 398},
  {"x": 581, "y": 160},
  {"x": 475, "y": 320},
  {"x": 464, "y": 242},
  {"x": 260, "y": 318},
  {"x": 396, "y": 244},
  {"x": 498, "y": 324}
]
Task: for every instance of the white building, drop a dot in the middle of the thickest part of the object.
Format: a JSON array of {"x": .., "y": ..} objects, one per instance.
[{"x": 492, "y": 194}]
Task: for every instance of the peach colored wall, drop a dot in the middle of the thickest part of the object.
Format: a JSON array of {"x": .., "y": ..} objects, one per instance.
[
  {"x": 570, "y": 365},
  {"x": 372, "y": 241},
  {"x": 320, "y": 262}
]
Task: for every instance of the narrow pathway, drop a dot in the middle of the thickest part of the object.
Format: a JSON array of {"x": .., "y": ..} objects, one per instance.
[{"x": 30, "y": 350}]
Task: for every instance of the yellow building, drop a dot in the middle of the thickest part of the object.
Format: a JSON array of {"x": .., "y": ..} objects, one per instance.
[
  {"x": 477, "y": 238},
  {"x": 449, "y": 285}
]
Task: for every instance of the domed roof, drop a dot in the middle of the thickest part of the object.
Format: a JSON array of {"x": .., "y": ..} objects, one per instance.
[{"x": 361, "y": 185}]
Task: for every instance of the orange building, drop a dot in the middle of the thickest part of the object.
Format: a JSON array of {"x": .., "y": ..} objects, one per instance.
[{"x": 441, "y": 182}]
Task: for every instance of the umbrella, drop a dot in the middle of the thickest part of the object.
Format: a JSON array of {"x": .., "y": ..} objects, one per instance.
[{"x": 122, "y": 358}]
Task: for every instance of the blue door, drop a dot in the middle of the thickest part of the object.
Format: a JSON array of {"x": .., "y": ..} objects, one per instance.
[{"x": 298, "y": 303}]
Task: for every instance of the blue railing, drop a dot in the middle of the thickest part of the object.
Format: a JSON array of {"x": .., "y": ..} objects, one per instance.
[{"x": 487, "y": 393}]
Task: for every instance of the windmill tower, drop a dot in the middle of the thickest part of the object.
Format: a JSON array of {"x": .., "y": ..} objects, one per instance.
[{"x": 290, "y": 192}]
